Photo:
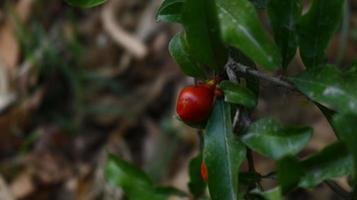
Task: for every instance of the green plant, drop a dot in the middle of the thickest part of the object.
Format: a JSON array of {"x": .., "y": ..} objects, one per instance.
[{"x": 227, "y": 35}]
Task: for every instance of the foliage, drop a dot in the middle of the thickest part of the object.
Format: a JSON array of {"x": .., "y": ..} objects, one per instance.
[
  {"x": 202, "y": 50},
  {"x": 135, "y": 183},
  {"x": 85, "y": 3}
]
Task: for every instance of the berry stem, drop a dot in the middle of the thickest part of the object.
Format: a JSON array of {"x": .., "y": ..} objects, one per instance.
[{"x": 240, "y": 68}]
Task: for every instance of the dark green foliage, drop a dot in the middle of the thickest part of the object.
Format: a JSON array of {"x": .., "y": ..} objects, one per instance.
[
  {"x": 284, "y": 15},
  {"x": 201, "y": 50},
  {"x": 85, "y": 3},
  {"x": 196, "y": 185},
  {"x": 223, "y": 153},
  {"x": 316, "y": 28}
]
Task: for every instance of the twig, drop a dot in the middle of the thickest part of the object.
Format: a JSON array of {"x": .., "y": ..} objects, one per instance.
[
  {"x": 236, "y": 120},
  {"x": 241, "y": 117},
  {"x": 251, "y": 167},
  {"x": 237, "y": 67},
  {"x": 121, "y": 36},
  {"x": 338, "y": 190},
  {"x": 250, "y": 161}
]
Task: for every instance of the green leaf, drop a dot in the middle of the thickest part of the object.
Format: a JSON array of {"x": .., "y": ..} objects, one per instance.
[
  {"x": 272, "y": 194},
  {"x": 242, "y": 29},
  {"x": 85, "y": 3},
  {"x": 170, "y": 11},
  {"x": 347, "y": 130},
  {"x": 284, "y": 15},
  {"x": 260, "y": 4},
  {"x": 168, "y": 191},
  {"x": 272, "y": 139},
  {"x": 135, "y": 183},
  {"x": 179, "y": 51},
  {"x": 328, "y": 113},
  {"x": 328, "y": 85},
  {"x": 333, "y": 161},
  {"x": 237, "y": 94},
  {"x": 223, "y": 153},
  {"x": 201, "y": 24},
  {"x": 196, "y": 185},
  {"x": 289, "y": 173},
  {"x": 120, "y": 172},
  {"x": 316, "y": 28}
]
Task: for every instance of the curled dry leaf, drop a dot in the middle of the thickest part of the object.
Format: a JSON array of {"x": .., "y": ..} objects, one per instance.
[
  {"x": 9, "y": 48},
  {"x": 5, "y": 192}
]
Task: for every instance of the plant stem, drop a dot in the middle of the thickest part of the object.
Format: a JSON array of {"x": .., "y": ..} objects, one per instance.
[
  {"x": 237, "y": 67},
  {"x": 338, "y": 190},
  {"x": 250, "y": 161},
  {"x": 200, "y": 138},
  {"x": 251, "y": 168}
]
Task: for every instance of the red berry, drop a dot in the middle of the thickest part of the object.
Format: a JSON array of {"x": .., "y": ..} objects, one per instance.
[
  {"x": 204, "y": 172},
  {"x": 194, "y": 103}
]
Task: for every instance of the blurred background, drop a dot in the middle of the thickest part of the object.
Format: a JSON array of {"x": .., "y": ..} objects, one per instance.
[{"x": 76, "y": 83}]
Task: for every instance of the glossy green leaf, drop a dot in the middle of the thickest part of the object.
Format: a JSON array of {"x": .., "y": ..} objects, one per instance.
[
  {"x": 196, "y": 185},
  {"x": 179, "y": 51},
  {"x": 316, "y": 28},
  {"x": 272, "y": 139},
  {"x": 135, "y": 183},
  {"x": 289, "y": 173},
  {"x": 223, "y": 153},
  {"x": 333, "y": 161},
  {"x": 347, "y": 130},
  {"x": 237, "y": 94},
  {"x": 85, "y": 3},
  {"x": 328, "y": 113},
  {"x": 272, "y": 194},
  {"x": 170, "y": 11},
  {"x": 168, "y": 191},
  {"x": 330, "y": 86},
  {"x": 242, "y": 29},
  {"x": 120, "y": 172},
  {"x": 203, "y": 34},
  {"x": 284, "y": 15}
]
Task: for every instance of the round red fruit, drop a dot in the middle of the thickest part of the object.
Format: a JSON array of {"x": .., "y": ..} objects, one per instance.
[
  {"x": 204, "y": 172},
  {"x": 194, "y": 103}
]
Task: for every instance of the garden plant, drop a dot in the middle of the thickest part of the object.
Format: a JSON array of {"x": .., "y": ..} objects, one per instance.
[{"x": 228, "y": 49}]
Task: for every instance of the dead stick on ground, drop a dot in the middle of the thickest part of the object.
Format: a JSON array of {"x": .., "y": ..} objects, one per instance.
[{"x": 120, "y": 36}]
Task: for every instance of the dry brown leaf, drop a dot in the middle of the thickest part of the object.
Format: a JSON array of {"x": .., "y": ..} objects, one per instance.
[
  {"x": 9, "y": 47},
  {"x": 22, "y": 185},
  {"x": 5, "y": 192}
]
